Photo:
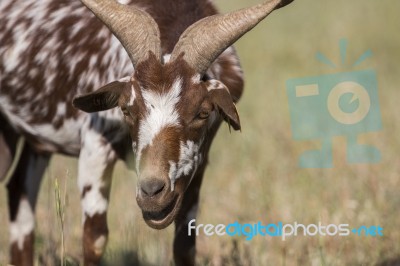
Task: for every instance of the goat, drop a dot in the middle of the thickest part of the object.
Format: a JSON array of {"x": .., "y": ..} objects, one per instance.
[{"x": 186, "y": 80}]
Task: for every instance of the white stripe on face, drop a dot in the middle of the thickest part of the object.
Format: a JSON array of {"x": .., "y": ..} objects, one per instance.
[{"x": 161, "y": 113}]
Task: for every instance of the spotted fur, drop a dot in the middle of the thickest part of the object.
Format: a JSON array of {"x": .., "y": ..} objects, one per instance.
[{"x": 52, "y": 51}]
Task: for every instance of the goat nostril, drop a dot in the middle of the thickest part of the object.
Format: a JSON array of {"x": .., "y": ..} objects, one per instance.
[{"x": 152, "y": 187}]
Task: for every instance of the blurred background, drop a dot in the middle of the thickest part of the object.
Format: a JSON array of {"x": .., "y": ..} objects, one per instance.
[{"x": 254, "y": 175}]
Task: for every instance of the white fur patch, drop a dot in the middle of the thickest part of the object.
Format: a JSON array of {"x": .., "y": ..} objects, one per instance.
[
  {"x": 133, "y": 96},
  {"x": 124, "y": 2},
  {"x": 125, "y": 79},
  {"x": 189, "y": 160},
  {"x": 196, "y": 79},
  {"x": 23, "y": 225},
  {"x": 99, "y": 245},
  {"x": 67, "y": 137},
  {"x": 94, "y": 202},
  {"x": 134, "y": 146},
  {"x": 161, "y": 113},
  {"x": 216, "y": 85},
  {"x": 96, "y": 155},
  {"x": 11, "y": 57},
  {"x": 166, "y": 58}
]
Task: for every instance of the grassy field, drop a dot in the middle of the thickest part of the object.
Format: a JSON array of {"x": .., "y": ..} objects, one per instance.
[{"x": 254, "y": 175}]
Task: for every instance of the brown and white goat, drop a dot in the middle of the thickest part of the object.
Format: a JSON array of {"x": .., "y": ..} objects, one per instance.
[{"x": 174, "y": 77}]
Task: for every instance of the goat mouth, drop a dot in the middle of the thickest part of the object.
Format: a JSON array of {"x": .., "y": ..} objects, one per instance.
[{"x": 163, "y": 218}]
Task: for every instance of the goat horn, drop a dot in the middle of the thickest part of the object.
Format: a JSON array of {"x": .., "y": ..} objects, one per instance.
[
  {"x": 206, "y": 39},
  {"x": 135, "y": 29}
]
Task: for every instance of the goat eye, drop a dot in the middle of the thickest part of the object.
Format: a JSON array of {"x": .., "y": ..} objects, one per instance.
[{"x": 203, "y": 114}]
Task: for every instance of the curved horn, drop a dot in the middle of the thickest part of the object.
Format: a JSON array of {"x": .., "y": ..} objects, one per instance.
[
  {"x": 135, "y": 29},
  {"x": 206, "y": 39}
]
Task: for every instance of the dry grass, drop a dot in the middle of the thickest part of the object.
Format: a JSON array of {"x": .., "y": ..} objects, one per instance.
[{"x": 254, "y": 175}]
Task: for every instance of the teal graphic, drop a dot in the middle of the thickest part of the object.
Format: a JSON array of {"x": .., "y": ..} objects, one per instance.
[{"x": 340, "y": 104}]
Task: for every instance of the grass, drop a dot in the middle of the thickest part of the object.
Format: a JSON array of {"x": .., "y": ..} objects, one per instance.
[{"x": 254, "y": 175}]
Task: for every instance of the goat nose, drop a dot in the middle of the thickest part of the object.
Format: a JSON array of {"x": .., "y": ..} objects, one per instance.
[{"x": 151, "y": 187}]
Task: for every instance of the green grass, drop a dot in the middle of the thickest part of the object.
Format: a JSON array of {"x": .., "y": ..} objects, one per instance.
[{"x": 254, "y": 175}]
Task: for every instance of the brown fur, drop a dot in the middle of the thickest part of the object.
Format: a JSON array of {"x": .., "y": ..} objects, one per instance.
[
  {"x": 77, "y": 77},
  {"x": 24, "y": 256},
  {"x": 93, "y": 228}
]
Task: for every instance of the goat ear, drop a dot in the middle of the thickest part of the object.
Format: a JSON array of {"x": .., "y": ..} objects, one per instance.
[
  {"x": 102, "y": 99},
  {"x": 222, "y": 100}
]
